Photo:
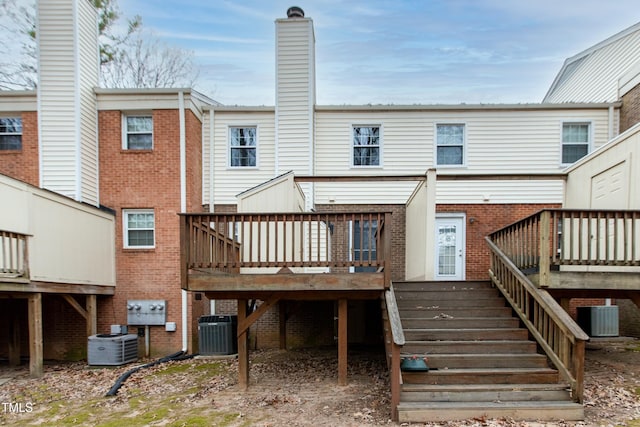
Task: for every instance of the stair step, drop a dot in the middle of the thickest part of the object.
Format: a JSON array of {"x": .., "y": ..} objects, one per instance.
[
  {"x": 418, "y": 303},
  {"x": 445, "y": 322},
  {"x": 429, "y": 286},
  {"x": 436, "y": 295},
  {"x": 437, "y": 310},
  {"x": 524, "y": 360},
  {"x": 452, "y": 411},
  {"x": 482, "y": 376},
  {"x": 484, "y": 392},
  {"x": 467, "y": 347},
  {"x": 465, "y": 334}
]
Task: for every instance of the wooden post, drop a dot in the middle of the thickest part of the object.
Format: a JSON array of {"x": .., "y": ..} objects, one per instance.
[
  {"x": 578, "y": 371},
  {"x": 395, "y": 380},
  {"x": 283, "y": 324},
  {"x": 35, "y": 335},
  {"x": 342, "y": 341},
  {"x": 243, "y": 347},
  {"x": 92, "y": 315},
  {"x": 545, "y": 249},
  {"x": 14, "y": 334}
]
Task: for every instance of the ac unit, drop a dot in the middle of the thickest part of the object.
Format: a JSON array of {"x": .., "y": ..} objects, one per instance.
[
  {"x": 112, "y": 349},
  {"x": 599, "y": 321}
]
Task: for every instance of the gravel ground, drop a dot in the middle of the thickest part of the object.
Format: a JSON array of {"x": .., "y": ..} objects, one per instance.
[{"x": 293, "y": 388}]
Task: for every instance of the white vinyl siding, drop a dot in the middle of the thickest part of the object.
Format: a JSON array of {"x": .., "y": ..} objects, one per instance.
[
  {"x": 229, "y": 182},
  {"x": 593, "y": 75},
  {"x": 295, "y": 94},
  {"x": 497, "y": 141},
  {"x": 67, "y": 119}
]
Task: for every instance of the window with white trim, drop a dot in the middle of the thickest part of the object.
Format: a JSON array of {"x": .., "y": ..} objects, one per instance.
[
  {"x": 450, "y": 141},
  {"x": 10, "y": 133},
  {"x": 243, "y": 146},
  {"x": 576, "y": 140},
  {"x": 137, "y": 132},
  {"x": 139, "y": 228},
  {"x": 366, "y": 146}
]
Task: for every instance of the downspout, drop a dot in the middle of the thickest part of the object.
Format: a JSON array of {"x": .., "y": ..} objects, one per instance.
[
  {"x": 183, "y": 204},
  {"x": 212, "y": 303}
]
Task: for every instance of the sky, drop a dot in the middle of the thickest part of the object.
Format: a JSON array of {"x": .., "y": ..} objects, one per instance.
[{"x": 389, "y": 51}]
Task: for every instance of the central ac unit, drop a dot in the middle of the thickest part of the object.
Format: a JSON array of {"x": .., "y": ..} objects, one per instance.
[{"x": 112, "y": 349}]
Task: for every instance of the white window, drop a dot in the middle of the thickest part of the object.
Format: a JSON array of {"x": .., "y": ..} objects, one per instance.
[
  {"x": 576, "y": 140},
  {"x": 137, "y": 132},
  {"x": 139, "y": 228},
  {"x": 243, "y": 146},
  {"x": 450, "y": 140},
  {"x": 366, "y": 146},
  {"x": 10, "y": 133}
]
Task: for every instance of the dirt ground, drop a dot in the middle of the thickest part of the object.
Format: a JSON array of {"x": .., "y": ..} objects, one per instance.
[{"x": 293, "y": 388}]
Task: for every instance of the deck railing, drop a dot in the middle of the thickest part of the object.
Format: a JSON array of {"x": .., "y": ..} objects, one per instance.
[
  {"x": 394, "y": 341},
  {"x": 555, "y": 331},
  {"x": 326, "y": 241},
  {"x": 553, "y": 238},
  {"x": 14, "y": 259}
]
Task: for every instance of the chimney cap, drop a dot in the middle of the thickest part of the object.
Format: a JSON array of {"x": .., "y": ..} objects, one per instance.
[{"x": 295, "y": 12}]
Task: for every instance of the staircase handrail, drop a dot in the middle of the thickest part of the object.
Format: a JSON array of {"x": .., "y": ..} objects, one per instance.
[
  {"x": 555, "y": 331},
  {"x": 393, "y": 345}
]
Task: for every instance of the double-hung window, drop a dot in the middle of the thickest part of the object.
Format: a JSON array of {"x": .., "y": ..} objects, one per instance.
[
  {"x": 576, "y": 139},
  {"x": 450, "y": 140},
  {"x": 139, "y": 228},
  {"x": 138, "y": 132},
  {"x": 243, "y": 146},
  {"x": 10, "y": 133},
  {"x": 366, "y": 145}
]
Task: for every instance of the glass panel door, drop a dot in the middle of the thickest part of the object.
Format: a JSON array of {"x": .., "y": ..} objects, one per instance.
[{"x": 449, "y": 249}]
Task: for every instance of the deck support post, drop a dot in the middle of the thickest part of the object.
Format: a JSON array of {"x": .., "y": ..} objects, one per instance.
[
  {"x": 342, "y": 341},
  {"x": 35, "y": 335},
  {"x": 282, "y": 305},
  {"x": 243, "y": 347},
  {"x": 92, "y": 315},
  {"x": 14, "y": 335}
]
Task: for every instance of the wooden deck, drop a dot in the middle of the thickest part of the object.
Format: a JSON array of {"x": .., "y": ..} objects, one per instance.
[
  {"x": 15, "y": 282},
  {"x": 286, "y": 256},
  {"x": 305, "y": 255}
]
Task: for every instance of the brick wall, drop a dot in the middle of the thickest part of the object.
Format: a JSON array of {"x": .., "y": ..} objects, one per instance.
[
  {"x": 150, "y": 180},
  {"x": 24, "y": 164},
  {"x": 483, "y": 219},
  {"x": 630, "y": 111}
]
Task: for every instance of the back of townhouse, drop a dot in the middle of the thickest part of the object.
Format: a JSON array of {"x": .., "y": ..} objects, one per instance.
[{"x": 165, "y": 151}]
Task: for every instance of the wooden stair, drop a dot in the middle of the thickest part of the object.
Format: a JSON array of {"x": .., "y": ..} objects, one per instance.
[{"x": 482, "y": 363}]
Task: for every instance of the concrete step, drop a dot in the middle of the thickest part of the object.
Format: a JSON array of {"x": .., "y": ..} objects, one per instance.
[
  {"x": 451, "y": 411},
  {"x": 482, "y": 376},
  {"x": 472, "y": 361},
  {"x": 469, "y": 347}
]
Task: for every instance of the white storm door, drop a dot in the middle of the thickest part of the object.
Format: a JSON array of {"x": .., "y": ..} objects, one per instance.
[{"x": 450, "y": 248}]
